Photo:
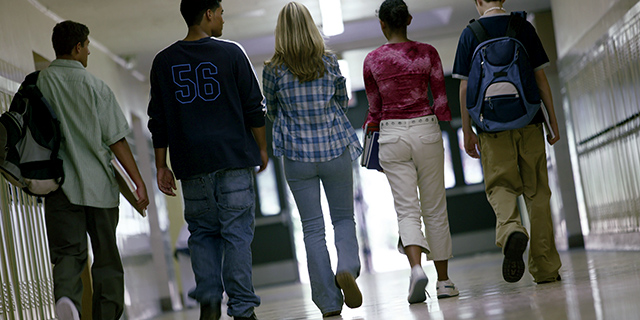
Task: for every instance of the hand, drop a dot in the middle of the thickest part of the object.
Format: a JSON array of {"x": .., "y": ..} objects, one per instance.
[
  {"x": 471, "y": 146},
  {"x": 264, "y": 156},
  {"x": 371, "y": 127},
  {"x": 143, "y": 198},
  {"x": 554, "y": 127},
  {"x": 166, "y": 181}
]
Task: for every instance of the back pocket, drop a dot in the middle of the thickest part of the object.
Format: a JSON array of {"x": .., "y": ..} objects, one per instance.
[
  {"x": 388, "y": 139},
  {"x": 235, "y": 189},
  {"x": 431, "y": 138},
  {"x": 195, "y": 196}
]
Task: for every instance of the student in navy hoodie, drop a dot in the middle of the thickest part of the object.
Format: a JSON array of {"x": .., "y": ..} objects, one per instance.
[{"x": 206, "y": 109}]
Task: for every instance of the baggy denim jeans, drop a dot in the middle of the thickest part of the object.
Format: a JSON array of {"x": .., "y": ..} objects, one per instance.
[
  {"x": 337, "y": 179},
  {"x": 219, "y": 210}
]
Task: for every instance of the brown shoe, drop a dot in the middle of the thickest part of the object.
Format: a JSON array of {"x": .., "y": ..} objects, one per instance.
[{"x": 352, "y": 294}]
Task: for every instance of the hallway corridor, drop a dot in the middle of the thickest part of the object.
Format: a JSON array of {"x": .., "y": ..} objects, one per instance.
[{"x": 595, "y": 285}]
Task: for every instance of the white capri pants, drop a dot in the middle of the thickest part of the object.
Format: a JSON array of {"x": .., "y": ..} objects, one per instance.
[{"x": 412, "y": 156}]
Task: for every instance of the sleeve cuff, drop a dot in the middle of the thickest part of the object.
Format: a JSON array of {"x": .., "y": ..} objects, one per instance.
[
  {"x": 459, "y": 76},
  {"x": 256, "y": 122},
  {"x": 544, "y": 65},
  {"x": 118, "y": 136}
]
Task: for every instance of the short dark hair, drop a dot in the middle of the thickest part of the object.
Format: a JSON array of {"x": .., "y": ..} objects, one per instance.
[
  {"x": 193, "y": 10},
  {"x": 66, "y": 35},
  {"x": 394, "y": 13}
]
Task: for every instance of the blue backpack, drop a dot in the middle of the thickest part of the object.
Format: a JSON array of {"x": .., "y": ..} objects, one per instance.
[{"x": 502, "y": 93}]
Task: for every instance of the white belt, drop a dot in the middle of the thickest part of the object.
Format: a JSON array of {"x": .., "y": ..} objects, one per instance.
[{"x": 406, "y": 123}]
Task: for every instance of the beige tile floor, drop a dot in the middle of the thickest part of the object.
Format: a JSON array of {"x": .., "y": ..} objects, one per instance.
[{"x": 595, "y": 285}]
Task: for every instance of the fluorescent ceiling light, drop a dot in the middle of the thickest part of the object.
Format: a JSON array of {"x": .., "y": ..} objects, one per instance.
[{"x": 331, "y": 11}]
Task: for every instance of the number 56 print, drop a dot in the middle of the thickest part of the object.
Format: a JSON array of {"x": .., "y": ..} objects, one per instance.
[{"x": 198, "y": 83}]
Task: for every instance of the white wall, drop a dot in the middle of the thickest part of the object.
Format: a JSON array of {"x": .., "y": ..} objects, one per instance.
[
  {"x": 25, "y": 29},
  {"x": 579, "y": 23}
]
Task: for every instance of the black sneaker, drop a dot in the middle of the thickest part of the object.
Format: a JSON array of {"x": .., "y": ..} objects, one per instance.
[
  {"x": 513, "y": 265},
  {"x": 251, "y": 317},
  {"x": 210, "y": 311}
]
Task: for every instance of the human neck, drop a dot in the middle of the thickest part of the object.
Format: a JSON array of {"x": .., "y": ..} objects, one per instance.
[
  {"x": 493, "y": 10},
  {"x": 68, "y": 56},
  {"x": 397, "y": 37},
  {"x": 196, "y": 33}
]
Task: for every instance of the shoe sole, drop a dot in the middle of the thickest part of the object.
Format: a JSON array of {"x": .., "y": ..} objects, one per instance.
[
  {"x": 66, "y": 310},
  {"x": 418, "y": 294},
  {"x": 513, "y": 265},
  {"x": 352, "y": 294},
  {"x": 448, "y": 295},
  {"x": 331, "y": 314}
]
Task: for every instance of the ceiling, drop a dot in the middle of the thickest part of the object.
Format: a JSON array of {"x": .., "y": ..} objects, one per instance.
[{"x": 136, "y": 30}]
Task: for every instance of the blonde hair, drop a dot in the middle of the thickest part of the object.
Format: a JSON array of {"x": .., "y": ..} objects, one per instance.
[{"x": 299, "y": 44}]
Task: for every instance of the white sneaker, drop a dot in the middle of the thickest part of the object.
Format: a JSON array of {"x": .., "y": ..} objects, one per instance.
[
  {"x": 66, "y": 310},
  {"x": 418, "y": 285},
  {"x": 446, "y": 289}
]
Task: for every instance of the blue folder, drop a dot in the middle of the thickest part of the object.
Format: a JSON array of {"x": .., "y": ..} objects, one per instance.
[{"x": 369, "y": 158}]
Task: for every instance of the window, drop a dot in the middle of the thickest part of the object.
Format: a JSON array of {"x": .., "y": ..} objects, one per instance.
[
  {"x": 268, "y": 191},
  {"x": 471, "y": 168},
  {"x": 449, "y": 175}
]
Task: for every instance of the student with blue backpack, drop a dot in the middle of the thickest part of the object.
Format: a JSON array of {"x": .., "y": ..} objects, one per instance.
[{"x": 500, "y": 62}]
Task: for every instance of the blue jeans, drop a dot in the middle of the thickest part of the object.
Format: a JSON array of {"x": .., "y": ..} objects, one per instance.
[
  {"x": 219, "y": 209},
  {"x": 337, "y": 178}
]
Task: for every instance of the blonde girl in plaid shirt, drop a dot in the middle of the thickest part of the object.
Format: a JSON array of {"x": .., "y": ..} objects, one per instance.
[{"x": 307, "y": 100}]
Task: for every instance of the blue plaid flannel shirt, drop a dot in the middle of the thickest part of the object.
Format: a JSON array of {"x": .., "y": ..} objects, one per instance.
[{"x": 309, "y": 119}]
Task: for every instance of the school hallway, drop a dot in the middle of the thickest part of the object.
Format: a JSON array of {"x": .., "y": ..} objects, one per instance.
[
  {"x": 595, "y": 285},
  {"x": 593, "y": 47}
]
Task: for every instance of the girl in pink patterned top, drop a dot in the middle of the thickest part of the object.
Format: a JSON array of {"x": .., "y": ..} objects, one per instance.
[
  {"x": 397, "y": 76},
  {"x": 397, "y": 79}
]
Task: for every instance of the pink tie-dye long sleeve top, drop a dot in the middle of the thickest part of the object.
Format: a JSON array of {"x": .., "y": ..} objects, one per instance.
[{"x": 397, "y": 78}]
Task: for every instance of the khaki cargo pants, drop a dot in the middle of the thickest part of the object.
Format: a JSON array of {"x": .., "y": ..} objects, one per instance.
[{"x": 514, "y": 163}]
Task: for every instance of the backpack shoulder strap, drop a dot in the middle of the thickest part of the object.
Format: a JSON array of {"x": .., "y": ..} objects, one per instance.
[
  {"x": 516, "y": 20},
  {"x": 478, "y": 30},
  {"x": 31, "y": 78},
  {"x": 17, "y": 103}
]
